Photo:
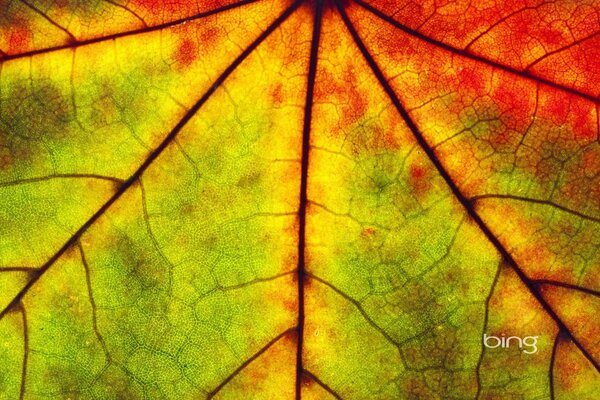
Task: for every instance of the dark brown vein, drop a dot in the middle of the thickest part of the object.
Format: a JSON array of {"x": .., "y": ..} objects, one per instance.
[
  {"x": 466, "y": 54},
  {"x": 88, "y": 281},
  {"x": 78, "y": 43},
  {"x": 61, "y": 176},
  {"x": 153, "y": 238},
  {"x": 189, "y": 159},
  {"x": 224, "y": 289},
  {"x": 254, "y": 282},
  {"x": 536, "y": 201},
  {"x": 467, "y": 205},
  {"x": 150, "y": 159},
  {"x": 578, "y": 288},
  {"x": 239, "y": 369},
  {"x": 129, "y": 10},
  {"x": 326, "y": 387},
  {"x": 448, "y": 250},
  {"x": 552, "y": 364},
  {"x": 312, "y": 73},
  {"x": 359, "y": 307},
  {"x": 18, "y": 269},
  {"x": 50, "y": 20},
  {"x": 484, "y": 330},
  {"x": 21, "y": 309},
  {"x": 561, "y": 49},
  {"x": 497, "y": 23}
]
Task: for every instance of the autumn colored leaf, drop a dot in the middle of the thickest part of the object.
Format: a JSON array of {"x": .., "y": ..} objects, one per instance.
[{"x": 325, "y": 199}]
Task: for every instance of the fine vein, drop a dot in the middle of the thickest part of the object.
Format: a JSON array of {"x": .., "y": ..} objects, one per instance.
[
  {"x": 467, "y": 205},
  {"x": 150, "y": 159}
]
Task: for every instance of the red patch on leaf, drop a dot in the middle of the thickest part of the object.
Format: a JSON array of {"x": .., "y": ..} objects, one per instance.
[
  {"x": 290, "y": 305},
  {"x": 500, "y": 139},
  {"x": 590, "y": 162},
  {"x": 384, "y": 139},
  {"x": 368, "y": 232},
  {"x": 277, "y": 94},
  {"x": 186, "y": 53},
  {"x": 506, "y": 95},
  {"x": 551, "y": 37},
  {"x": 210, "y": 36},
  {"x": 584, "y": 123},
  {"x": 358, "y": 104},
  {"x": 19, "y": 39},
  {"x": 533, "y": 254},
  {"x": 559, "y": 110},
  {"x": 353, "y": 104},
  {"x": 416, "y": 172},
  {"x": 471, "y": 80},
  {"x": 391, "y": 141},
  {"x": 62, "y": 3},
  {"x": 419, "y": 179}
]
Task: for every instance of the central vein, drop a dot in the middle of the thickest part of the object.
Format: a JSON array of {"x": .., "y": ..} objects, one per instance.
[{"x": 312, "y": 71}]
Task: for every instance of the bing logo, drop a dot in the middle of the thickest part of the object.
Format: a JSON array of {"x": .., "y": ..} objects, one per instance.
[{"x": 527, "y": 344}]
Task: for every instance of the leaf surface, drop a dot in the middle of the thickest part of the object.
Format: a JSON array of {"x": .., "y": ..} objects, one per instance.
[{"x": 310, "y": 199}]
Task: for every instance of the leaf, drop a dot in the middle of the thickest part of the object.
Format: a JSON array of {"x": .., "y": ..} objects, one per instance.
[{"x": 318, "y": 199}]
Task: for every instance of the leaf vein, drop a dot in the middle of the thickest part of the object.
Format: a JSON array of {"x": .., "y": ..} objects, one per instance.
[
  {"x": 466, "y": 54},
  {"x": 327, "y": 388},
  {"x": 243, "y": 366},
  {"x": 78, "y": 43},
  {"x": 150, "y": 159},
  {"x": 536, "y": 201},
  {"x": 456, "y": 191},
  {"x": 304, "y": 165}
]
